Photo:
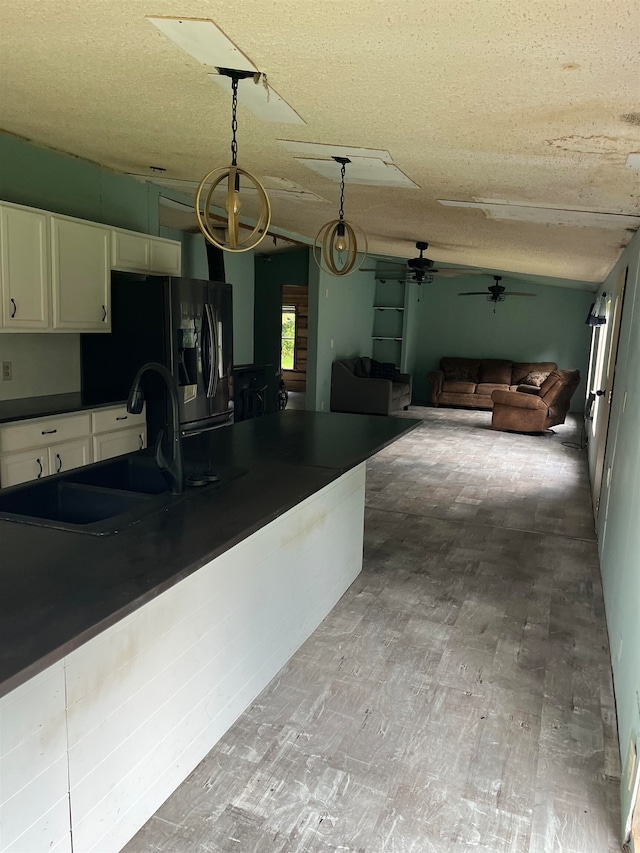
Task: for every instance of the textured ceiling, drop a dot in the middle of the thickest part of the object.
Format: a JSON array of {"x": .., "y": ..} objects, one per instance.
[{"x": 534, "y": 102}]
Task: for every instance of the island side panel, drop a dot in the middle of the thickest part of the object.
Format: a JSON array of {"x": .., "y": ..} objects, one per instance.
[
  {"x": 148, "y": 698},
  {"x": 34, "y": 789}
]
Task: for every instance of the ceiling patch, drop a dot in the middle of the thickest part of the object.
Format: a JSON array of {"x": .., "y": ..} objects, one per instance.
[
  {"x": 260, "y": 99},
  {"x": 369, "y": 171},
  {"x": 321, "y": 149},
  {"x": 204, "y": 41},
  {"x": 633, "y": 161},
  {"x": 548, "y": 215},
  {"x": 590, "y": 144}
]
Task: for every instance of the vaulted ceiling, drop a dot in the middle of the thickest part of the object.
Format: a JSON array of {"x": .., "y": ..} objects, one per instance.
[{"x": 535, "y": 105}]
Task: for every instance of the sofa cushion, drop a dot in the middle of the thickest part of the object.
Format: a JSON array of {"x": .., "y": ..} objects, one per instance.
[
  {"x": 521, "y": 368},
  {"x": 489, "y": 387},
  {"x": 454, "y": 387},
  {"x": 461, "y": 369},
  {"x": 399, "y": 390},
  {"x": 496, "y": 371},
  {"x": 383, "y": 370}
]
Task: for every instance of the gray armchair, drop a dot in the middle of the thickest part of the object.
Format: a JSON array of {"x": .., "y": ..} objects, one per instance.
[{"x": 354, "y": 389}]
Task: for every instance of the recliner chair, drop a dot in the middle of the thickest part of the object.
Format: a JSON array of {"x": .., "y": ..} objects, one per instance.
[{"x": 535, "y": 409}]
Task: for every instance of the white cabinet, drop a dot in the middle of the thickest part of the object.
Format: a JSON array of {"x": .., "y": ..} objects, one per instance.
[
  {"x": 24, "y": 269},
  {"x": 71, "y": 454},
  {"x": 80, "y": 275},
  {"x": 116, "y": 432},
  {"x": 21, "y": 467},
  {"x": 38, "y": 447},
  {"x": 133, "y": 252},
  {"x": 55, "y": 271},
  {"x": 165, "y": 257}
]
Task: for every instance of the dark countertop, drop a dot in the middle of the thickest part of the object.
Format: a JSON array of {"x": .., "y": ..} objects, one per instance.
[
  {"x": 41, "y": 407},
  {"x": 62, "y": 588}
]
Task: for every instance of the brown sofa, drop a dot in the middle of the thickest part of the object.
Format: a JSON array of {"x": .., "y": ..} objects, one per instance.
[
  {"x": 537, "y": 409},
  {"x": 354, "y": 389},
  {"x": 471, "y": 381}
]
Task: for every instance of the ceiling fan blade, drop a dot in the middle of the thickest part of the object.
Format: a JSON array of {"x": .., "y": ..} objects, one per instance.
[
  {"x": 475, "y": 293},
  {"x": 511, "y": 293},
  {"x": 452, "y": 272}
]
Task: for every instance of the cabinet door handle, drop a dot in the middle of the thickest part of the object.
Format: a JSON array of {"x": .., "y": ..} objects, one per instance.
[
  {"x": 14, "y": 307},
  {"x": 40, "y": 472},
  {"x": 121, "y": 417},
  {"x": 104, "y": 314},
  {"x": 49, "y": 431},
  {"x": 141, "y": 441},
  {"x": 59, "y": 465}
]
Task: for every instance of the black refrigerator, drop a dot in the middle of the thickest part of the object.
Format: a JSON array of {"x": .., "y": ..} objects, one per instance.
[{"x": 184, "y": 324}]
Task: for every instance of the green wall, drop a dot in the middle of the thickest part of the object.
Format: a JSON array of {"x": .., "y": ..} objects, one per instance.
[
  {"x": 619, "y": 515},
  {"x": 340, "y": 326},
  {"x": 550, "y": 327},
  {"x": 272, "y": 272}
]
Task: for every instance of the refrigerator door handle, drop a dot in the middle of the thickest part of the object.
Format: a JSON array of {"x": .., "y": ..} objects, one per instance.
[{"x": 211, "y": 335}]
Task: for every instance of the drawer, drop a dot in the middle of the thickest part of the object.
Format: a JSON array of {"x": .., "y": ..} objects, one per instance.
[
  {"x": 42, "y": 432},
  {"x": 106, "y": 420},
  {"x": 117, "y": 443}
]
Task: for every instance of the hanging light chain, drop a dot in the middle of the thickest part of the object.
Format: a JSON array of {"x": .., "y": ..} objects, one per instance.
[
  {"x": 234, "y": 121},
  {"x": 343, "y": 169}
]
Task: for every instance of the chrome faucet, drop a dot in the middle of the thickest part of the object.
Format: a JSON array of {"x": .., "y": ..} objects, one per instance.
[{"x": 172, "y": 467}]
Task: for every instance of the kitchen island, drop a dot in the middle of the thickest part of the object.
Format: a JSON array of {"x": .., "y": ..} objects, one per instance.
[{"x": 125, "y": 657}]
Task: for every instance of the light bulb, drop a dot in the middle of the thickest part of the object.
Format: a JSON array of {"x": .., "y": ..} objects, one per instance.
[
  {"x": 341, "y": 243},
  {"x": 236, "y": 206}
]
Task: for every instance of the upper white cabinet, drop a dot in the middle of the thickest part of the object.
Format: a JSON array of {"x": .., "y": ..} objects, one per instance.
[
  {"x": 165, "y": 256},
  {"x": 132, "y": 252},
  {"x": 81, "y": 275},
  {"x": 24, "y": 269},
  {"x": 55, "y": 271}
]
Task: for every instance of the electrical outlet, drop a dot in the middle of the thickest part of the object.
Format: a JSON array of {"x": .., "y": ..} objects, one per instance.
[
  {"x": 631, "y": 763},
  {"x": 6, "y": 371}
]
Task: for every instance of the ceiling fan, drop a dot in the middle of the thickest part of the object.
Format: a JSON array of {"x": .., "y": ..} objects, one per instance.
[
  {"x": 496, "y": 292},
  {"x": 422, "y": 269}
]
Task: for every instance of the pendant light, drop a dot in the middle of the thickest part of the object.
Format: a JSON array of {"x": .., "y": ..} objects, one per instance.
[
  {"x": 336, "y": 246},
  {"x": 211, "y": 228}
]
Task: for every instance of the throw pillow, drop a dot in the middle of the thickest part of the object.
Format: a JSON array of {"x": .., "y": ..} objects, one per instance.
[
  {"x": 360, "y": 369},
  {"x": 383, "y": 370},
  {"x": 535, "y": 377}
]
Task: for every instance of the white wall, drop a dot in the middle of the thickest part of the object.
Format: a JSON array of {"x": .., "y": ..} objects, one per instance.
[{"x": 41, "y": 364}]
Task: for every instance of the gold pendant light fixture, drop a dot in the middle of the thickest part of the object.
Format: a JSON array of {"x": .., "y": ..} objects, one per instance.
[
  {"x": 232, "y": 174},
  {"x": 337, "y": 246}
]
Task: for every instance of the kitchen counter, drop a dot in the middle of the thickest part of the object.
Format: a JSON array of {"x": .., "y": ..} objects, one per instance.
[
  {"x": 62, "y": 588},
  {"x": 42, "y": 407}
]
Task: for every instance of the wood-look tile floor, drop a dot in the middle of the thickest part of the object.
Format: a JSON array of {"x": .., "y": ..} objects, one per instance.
[{"x": 458, "y": 697}]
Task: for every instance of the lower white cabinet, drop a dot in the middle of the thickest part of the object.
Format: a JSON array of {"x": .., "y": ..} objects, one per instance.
[
  {"x": 116, "y": 431},
  {"x": 118, "y": 442},
  {"x": 16, "y": 468},
  {"x": 39, "y": 447}
]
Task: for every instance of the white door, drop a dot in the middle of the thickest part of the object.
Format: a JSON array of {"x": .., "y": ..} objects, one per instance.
[
  {"x": 24, "y": 250},
  {"x": 605, "y": 351},
  {"x": 81, "y": 275}
]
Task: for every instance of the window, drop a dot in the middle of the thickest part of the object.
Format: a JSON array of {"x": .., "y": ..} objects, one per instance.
[{"x": 288, "y": 338}]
